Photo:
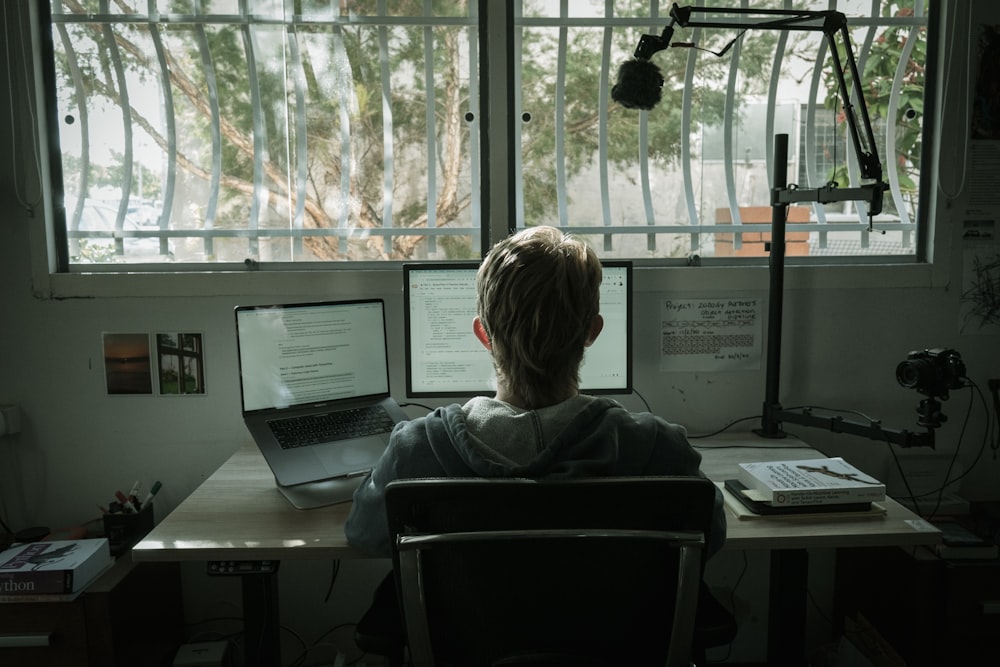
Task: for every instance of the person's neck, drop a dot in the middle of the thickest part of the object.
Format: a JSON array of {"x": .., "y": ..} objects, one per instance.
[{"x": 509, "y": 397}]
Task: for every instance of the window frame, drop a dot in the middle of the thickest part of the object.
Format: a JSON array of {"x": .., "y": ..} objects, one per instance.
[{"x": 498, "y": 202}]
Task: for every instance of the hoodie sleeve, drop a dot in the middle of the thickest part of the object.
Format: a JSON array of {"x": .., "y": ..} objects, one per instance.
[
  {"x": 366, "y": 528},
  {"x": 674, "y": 455},
  {"x": 408, "y": 456}
]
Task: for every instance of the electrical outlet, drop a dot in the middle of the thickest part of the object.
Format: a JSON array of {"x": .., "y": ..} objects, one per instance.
[{"x": 10, "y": 419}]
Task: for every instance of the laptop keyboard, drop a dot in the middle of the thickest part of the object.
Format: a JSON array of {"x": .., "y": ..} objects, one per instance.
[{"x": 331, "y": 426}]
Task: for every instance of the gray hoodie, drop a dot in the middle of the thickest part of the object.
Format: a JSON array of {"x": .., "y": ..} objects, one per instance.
[{"x": 581, "y": 437}]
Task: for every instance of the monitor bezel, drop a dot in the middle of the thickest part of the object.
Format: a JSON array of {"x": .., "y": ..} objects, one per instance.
[{"x": 472, "y": 264}]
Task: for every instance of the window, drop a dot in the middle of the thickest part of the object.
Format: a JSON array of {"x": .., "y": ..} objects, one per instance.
[
  {"x": 296, "y": 132},
  {"x": 674, "y": 181},
  {"x": 266, "y": 131}
]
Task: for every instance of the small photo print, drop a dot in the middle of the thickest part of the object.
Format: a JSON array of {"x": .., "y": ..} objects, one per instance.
[
  {"x": 127, "y": 363},
  {"x": 181, "y": 363}
]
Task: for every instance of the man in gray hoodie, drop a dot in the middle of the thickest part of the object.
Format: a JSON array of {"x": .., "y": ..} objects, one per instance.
[{"x": 538, "y": 309}]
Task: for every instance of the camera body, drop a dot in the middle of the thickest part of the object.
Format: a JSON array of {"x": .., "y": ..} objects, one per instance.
[{"x": 932, "y": 372}]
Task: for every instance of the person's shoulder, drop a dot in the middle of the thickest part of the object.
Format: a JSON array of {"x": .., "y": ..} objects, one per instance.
[
  {"x": 434, "y": 424},
  {"x": 613, "y": 410},
  {"x": 650, "y": 424}
]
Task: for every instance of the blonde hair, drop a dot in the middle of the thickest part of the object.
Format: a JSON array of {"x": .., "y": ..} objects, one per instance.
[{"x": 538, "y": 291}]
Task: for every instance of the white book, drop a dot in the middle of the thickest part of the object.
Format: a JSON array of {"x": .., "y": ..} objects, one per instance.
[
  {"x": 825, "y": 481},
  {"x": 59, "y": 567}
]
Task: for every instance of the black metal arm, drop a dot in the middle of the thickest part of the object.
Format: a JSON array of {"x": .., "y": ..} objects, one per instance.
[{"x": 834, "y": 25}]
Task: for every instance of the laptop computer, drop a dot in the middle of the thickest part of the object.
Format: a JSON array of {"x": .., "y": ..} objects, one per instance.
[{"x": 305, "y": 364}]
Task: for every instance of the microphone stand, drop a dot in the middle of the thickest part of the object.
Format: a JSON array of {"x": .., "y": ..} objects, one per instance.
[{"x": 833, "y": 25}]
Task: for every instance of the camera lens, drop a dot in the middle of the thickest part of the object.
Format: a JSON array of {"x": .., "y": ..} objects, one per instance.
[{"x": 908, "y": 373}]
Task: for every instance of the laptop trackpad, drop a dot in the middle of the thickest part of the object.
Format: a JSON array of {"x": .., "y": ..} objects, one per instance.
[{"x": 347, "y": 457}]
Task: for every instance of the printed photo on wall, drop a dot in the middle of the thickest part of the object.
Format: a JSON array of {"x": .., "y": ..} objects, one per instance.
[
  {"x": 181, "y": 363},
  {"x": 127, "y": 363}
]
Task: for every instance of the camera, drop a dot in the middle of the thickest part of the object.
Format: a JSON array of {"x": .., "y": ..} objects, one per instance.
[{"x": 932, "y": 372}]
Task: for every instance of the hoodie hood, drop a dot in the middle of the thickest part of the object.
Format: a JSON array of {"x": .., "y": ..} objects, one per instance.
[{"x": 578, "y": 437}]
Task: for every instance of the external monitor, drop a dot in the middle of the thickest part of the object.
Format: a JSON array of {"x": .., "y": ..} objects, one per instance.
[{"x": 445, "y": 359}]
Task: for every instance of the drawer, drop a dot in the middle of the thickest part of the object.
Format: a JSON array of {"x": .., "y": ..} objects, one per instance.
[{"x": 61, "y": 625}]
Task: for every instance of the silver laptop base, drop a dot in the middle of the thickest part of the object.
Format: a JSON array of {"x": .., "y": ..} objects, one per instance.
[{"x": 319, "y": 494}]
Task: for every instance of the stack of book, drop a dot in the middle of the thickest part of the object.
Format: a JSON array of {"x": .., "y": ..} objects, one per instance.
[
  {"x": 52, "y": 571},
  {"x": 806, "y": 486}
]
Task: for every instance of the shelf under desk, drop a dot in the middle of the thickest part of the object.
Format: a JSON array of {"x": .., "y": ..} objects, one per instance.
[{"x": 237, "y": 514}]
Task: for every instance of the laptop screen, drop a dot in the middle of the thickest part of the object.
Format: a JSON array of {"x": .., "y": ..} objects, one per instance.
[
  {"x": 444, "y": 358},
  {"x": 309, "y": 353}
]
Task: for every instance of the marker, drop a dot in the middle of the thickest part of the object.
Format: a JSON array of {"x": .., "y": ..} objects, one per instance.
[
  {"x": 152, "y": 492},
  {"x": 126, "y": 503}
]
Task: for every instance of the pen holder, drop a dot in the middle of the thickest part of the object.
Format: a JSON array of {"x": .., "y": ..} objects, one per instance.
[{"x": 124, "y": 530}]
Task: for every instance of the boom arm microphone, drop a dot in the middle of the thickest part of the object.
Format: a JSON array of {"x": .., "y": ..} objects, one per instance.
[{"x": 639, "y": 83}]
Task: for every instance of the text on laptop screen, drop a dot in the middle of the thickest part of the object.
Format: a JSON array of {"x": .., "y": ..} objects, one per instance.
[
  {"x": 444, "y": 357},
  {"x": 310, "y": 353}
]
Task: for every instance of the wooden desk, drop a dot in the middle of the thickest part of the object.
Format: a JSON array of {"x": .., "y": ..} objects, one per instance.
[
  {"x": 789, "y": 537},
  {"x": 237, "y": 514},
  {"x": 722, "y": 454},
  {"x": 238, "y": 518}
]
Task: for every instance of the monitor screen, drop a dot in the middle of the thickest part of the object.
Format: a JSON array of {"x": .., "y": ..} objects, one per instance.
[{"x": 444, "y": 358}]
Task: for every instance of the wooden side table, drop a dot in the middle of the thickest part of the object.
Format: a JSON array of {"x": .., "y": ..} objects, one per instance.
[{"x": 132, "y": 615}]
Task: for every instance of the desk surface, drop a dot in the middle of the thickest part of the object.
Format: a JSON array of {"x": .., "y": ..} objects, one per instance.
[{"x": 238, "y": 514}]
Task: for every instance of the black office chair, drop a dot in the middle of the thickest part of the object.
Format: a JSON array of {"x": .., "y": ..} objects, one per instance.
[{"x": 496, "y": 572}]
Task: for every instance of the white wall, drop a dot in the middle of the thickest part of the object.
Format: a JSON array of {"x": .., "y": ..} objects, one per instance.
[{"x": 845, "y": 331}]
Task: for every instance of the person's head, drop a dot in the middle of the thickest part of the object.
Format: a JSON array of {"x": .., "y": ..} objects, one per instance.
[{"x": 537, "y": 305}]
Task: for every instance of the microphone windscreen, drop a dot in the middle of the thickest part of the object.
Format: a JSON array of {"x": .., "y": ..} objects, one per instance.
[{"x": 638, "y": 85}]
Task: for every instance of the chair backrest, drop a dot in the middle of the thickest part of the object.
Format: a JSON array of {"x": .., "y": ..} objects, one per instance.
[{"x": 517, "y": 571}]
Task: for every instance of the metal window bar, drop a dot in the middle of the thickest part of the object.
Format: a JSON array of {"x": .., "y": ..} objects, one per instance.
[
  {"x": 686, "y": 162},
  {"x": 474, "y": 124},
  {"x": 603, "y": 104},
  {"x": 518, "y": 104},
  {"x": 301, "y": 153},
  {"x": 729, "y": 158},
  {"x": 811, "y": 136},
  {"x": 388, "y": 161},
  {"x": 215, "y": 177},
  {"x": 432, "y": 187},
  {"x": 644, "y": 180},
  {"x": 171, "y": 130},
  {"x": 890, "y": 137},
  {"x": 560, "y": 117},
  {"x": 126, "y": 110},
  {"x": 347, "y": 102},
  {"x": 250, "y": 53}
]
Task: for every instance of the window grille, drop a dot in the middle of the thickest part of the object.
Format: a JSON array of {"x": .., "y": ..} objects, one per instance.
[{"x": 281, "y": 132}]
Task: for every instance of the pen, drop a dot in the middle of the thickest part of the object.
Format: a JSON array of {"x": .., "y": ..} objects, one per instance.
[
  {"x": 126, "y": 503},
  {"x": 133, "y": 494},
  {"x": 152, "y": 492}
]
